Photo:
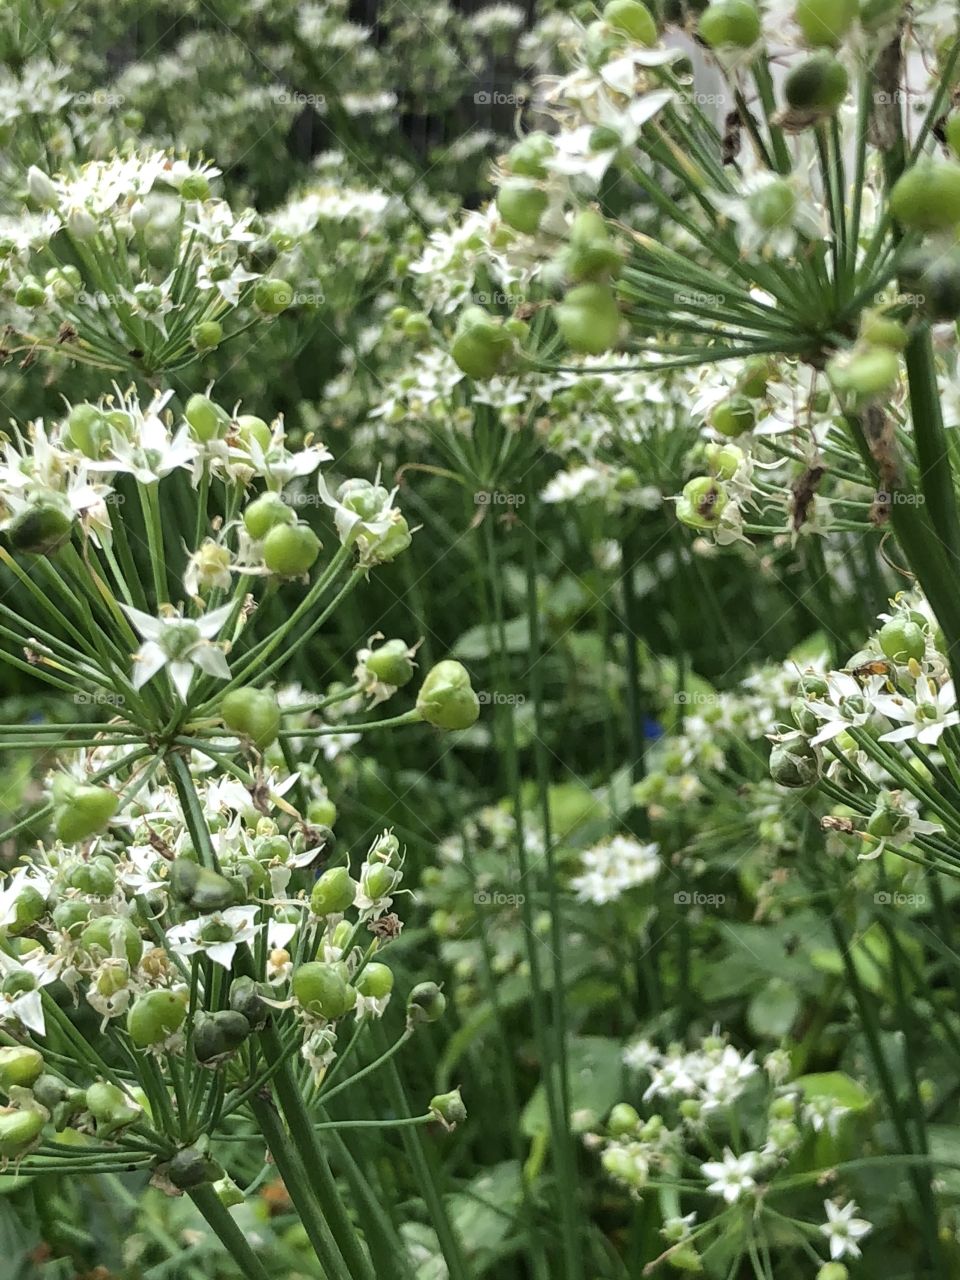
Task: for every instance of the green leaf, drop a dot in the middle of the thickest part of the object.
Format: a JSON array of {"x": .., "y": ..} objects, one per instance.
[
  {"x": 774, "y": 1008},
  {"x": 596, "y": 1082},
  {"x": 836, "y": 1086}
]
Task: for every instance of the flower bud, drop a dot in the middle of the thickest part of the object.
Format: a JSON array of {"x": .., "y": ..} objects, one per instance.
[
  {"x": 623, "y": 1119},
  {"x": 446, "y": 698},
  {"x": 833, "y": 1271},
  {"x": 41, "y": 529},
  {"x": 19, "y": 1067},
  {"x": 191, "y": 1168},
  {"x": 425, "y": 1003},
  {"x": 448, "y": 1108},
  {"x": 265, "y": 512},
  {"x": 254, "y": 713},
  {"x": 322, "y": 990},
  {"x": 110, "y": 1107},
  {"x": 41, "y": 188},
  {"x": 81, "y": 224},
  {"x": 154, "y": 1017},
  {"x": 19, "y": 1130},
  {"x": 333, "y": 892}
]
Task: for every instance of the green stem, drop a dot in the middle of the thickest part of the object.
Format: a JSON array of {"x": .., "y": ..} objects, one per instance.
[{"x": 229, "y": 1234}]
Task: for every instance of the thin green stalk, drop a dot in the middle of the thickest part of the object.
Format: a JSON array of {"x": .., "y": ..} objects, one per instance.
[{"x": 229, "y": 1234}]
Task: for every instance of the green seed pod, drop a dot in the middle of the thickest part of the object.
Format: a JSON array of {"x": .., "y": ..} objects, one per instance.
[
  {"x": 480, "y": 346},
  {"x": 521, "y": 204},
  {"x": 724, "y": 460},
  {"x": 63, "y": 1102},
  {"x": 216, "y": 1035},
  {"x": 333, "y": 892},
  {"x": 733, "y": 416},
  {"x": 98, "y": 877},
  {"x": 794, "y": 763},
  {"x": 446, "y": 698},
  {"x": 272, "y": 296},
  {"x": 757, "y": 372},
  {"x": 107, "y": 936},
  {"x": 29, "y": 906},
  {"x": 825, "y": 22},
  {"x": 927, "y": 196},
  {"x": 526, "y": 157},
  {"x": 391, "y": 663},
  {"x": 939, "y": 285},
  {"x": 588, "y": 318},
  {"x": 633, "y": 19},
  {"x": 19, "y": 1130},
  {"x": 733, "y": 23},
  {"x": 818, "y": 85},
  {"x": 86, "y": 430},
  {"x": 867, "y": 373},
  {"x": 200, "y": 887},
  {"x": 207, "y": 335},
  {"x": 19, "y": 1067},
  {"x": 265, "y": 512},
  {"x": 191, "y": 1168},
  {"x": 323, "y": 991},
  {"x": 425, "y": 1003},
  {"x": 623, "y": 1119},
  {"x": 41, "y": 529},
  {"x": 195, "y": 187},
  {"x": 30, "y": 293},
  {"x": 72, "y": 917},
  {"x": 375, "y": 981},
  {"x": 254, "y": 713},
  {"x": 110, "y": 1107},
  {"x": 773, "y": 205},
  {"x": 251, "y": 428},
  {"x": 448, "y": 1108},
  {"x": 290, "y": 550},
  {"x": 702, "y": 503},
  {"x": 206, "y": 420},
  {"x": 245, "y": 999},
  {"x": 321, "y": 812},
  {"x": 154, "y": 1017},
  {"x": 227, "y": 1192},
  {"x": 902, "y": 640},
  {"x": 833, "y": 1271},
  {"x": 83, "y": 811},
  {"x": 880, "y": 330}
]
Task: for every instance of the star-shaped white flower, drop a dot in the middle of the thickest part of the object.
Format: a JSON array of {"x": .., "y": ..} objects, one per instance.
[
  {"x": 731, "y": 1177},
  {"x": 23, "y": 980},
  {"x": 923, "y": 717},
  {"x": 181, "y": 644},
  {"x": 843, "y": 1230},
  {"x": 217, "y": 935}
]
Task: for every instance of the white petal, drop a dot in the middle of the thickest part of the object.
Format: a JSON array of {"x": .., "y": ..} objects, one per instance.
[
  {"x": 211, "y": 622},
  {"x": 181, "y": 673},
  {"x": 222, "y": 953},
  {"x": 147, "y": 662},
  {"x": 211, "y": 660},
  {"x": 149, "y": 627}
]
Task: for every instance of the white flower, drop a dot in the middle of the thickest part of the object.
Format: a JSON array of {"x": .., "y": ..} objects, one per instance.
[
  {"x": 925, "y": 717},
  {"x": 843, "y": 1230},
  {"x": 613, "y": 867},
  {"x": 846, "y": 705},
  {"x": 180, "y": 643},
  {"x": 217, "y": 935},
  {"x": 725, "y": 1080},
  {"x": 731, "y": 1177},
  {"x": 23, "y": 979}
]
